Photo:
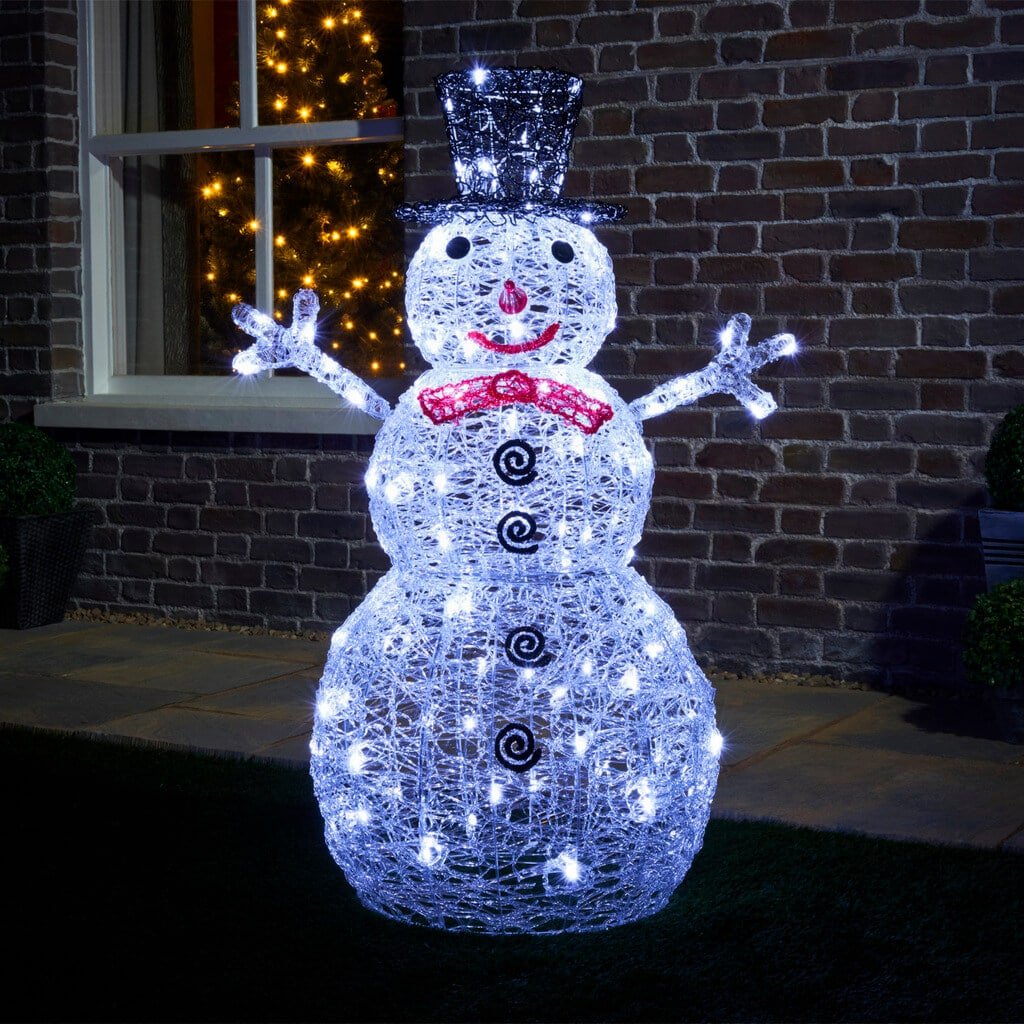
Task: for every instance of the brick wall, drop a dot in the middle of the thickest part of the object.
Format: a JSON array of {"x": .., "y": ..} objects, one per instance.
[
  {"x": 40, "y": 243},
  {"x": 839, "y": 169}
]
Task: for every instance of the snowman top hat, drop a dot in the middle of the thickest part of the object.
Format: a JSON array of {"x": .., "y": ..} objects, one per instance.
[{"x": 510, "y": 131}]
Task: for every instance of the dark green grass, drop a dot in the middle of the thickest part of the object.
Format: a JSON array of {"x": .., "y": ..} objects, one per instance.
[{"x": 155, "y": 885}]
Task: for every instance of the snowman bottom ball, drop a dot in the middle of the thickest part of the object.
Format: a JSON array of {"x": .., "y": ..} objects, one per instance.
[{"x": 507, "y": 757}]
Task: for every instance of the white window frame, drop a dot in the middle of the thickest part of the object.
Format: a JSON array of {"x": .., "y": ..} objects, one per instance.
[{"x": 115, "y": 398}]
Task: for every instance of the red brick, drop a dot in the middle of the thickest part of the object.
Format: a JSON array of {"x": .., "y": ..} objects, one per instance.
[
  {"x": 1009, "y": 231},
  {"x": 873, "y": 301},
  {"x": 921, "y": 170},
  {"x": 739, "y": 208},
  {"x": 675, "y": 23},
  {"x": 941, "y": 364},
  {"x": 900, "y": 202},
  {"x": 882, "y": 138},
  {"x": 932, "y": 428},
  {"x": 802, "y": 174},
  {"x": 804, "y": 266},
  {"x": 1009, "y": 364},
  {"x": 1008, "y": 300},
  {"x": 732, "y": 455},
  {"x": 738, "y": 84},
  {"x": 615, "y": 28},
  {"x": 792, "y": 489},
  {"x": 942, "y": 234},
  {"x": 932, "y": 298},
  {"x": 679, "y": 178},
  {"x": 803, "y": 142},
  {"x": 664, "y": 118},
  {"x": 747, "y": 17},
  {"x": 872, "y": 234},
  {"x": 804, "y": 45},
  {"x": 808, "y": 13},
  {"x": 876, "y": 394},
  {"x": 729, "y": 269},
  {"x": 796, "y": 611},
  {"x": 1010, "y": 166},
  {"x": 803, "y": 206},
  {"x": 867, "y": 524},
  {"x": 854, "y": 76},
  {"x": 871, "y": 460},
  {"x": 944, "y": 136},
  {"x": 949, "y": 35},
  {"x": 875, "y": 171},
  {"x": 876, "y": 37},
  {"x": 737, "y": 178},
  {"x": 691, "y": 54},
  {"x": 808, "y": 110},
  {"x": 804, "y": 426},
  {"x": 998, "y": 265},
  {"x": 1003, "y": 65},
  {"x": 1009, "y": 99},
  {"x": 787, "y": 237},
  {"x": 874, "y": 10},
  {"x": 803, "y": 300},
  {"x": 995, "y": 132},
  {"x": 782, "y": 551},
  {"x": 738, "y": 145},
  {"x": 873, "y": 267},
  {"x": 874, "y": 106},
  {"x": 885, "y": 332},
  {"x": 945, "y": 71},
  {"x": 741, "y": 49},
  {"x": 944, "y": 103},
  {"x": 996, "y": 199}
]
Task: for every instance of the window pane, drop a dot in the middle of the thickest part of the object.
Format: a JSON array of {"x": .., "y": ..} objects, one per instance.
[
  {"x": 189, "y": 257},
  {"x": 321, "y": 60},
  {"x": 178, "y": 62},
  {"x": 335, "y": 231}
]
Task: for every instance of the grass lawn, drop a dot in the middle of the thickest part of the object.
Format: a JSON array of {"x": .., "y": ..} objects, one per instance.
[{"x": 149, "y": 885}]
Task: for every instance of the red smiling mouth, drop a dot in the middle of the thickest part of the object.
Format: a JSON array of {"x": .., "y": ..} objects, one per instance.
[{"x": 524, "y": 346}]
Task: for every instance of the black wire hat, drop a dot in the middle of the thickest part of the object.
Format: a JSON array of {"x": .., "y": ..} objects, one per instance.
[{"x": 510, "y": 131}]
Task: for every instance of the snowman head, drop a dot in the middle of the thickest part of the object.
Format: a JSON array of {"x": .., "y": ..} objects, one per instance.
[
  {"x": 511, "y": 273},
  {"x": 503, "y": 291}
]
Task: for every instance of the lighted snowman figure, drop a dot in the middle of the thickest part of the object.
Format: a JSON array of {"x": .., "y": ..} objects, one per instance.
[{"x": 511, "y": 733}]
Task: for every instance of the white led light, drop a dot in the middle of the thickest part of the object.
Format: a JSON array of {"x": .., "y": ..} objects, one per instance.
[{"x": 511, "y": 707}]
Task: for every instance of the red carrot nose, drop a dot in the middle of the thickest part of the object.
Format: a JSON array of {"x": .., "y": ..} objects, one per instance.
[{"x": 512, "y": 299}]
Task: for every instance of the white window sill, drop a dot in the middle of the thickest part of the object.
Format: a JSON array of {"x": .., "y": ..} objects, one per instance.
[{"x": 253, "y": 414}]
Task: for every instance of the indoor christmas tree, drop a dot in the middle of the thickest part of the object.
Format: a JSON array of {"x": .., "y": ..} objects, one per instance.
[
  {"x": 334, "y": 226},
  {"x": 511, "y": 733}
]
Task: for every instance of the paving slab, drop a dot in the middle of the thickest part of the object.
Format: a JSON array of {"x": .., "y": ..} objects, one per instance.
[
  {"x": 279, "y": 648},
  {"x": 289, "y": 699},
  {"x": 199, "y": 730},
  {"x": 13, "y": 638},
  {"x": 192, "y": 671},
  {"x": 917, "y": 727},
  {"x": 52, "y": 702},
  {"x": 756, "y": 717},
  {"x": 884, "y": 793}
]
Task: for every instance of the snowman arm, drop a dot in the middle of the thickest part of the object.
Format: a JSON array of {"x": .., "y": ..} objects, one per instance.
[
  {"x": 278, "y": 347},
  {"x": 728, "y": 373}
]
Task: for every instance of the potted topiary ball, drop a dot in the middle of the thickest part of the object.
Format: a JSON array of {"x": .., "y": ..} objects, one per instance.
[
  {"x": 994, "y": 654},
  {"x": 43, "y": 534},
  {"x": 1002, "y": 526}
]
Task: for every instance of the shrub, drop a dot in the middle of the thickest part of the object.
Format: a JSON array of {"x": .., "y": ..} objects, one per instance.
[
  {"x": 37, "y": 475},
  {"x": 1004, "y": 464},
  {"x": 994, "y": 637}
]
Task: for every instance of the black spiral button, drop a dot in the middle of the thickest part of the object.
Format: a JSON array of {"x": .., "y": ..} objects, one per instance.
[
  {"x": 514, "y": 462},
  {"x": 516, "y": 533},
  {"x": 516, "y": 748},
  {"x": 524, "y": 646}
]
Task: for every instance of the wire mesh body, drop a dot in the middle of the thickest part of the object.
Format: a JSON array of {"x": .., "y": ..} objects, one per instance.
[{"x": 514, "y": 757}]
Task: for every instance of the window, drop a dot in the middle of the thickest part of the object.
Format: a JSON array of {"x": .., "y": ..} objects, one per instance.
[{"x": 232, "y": 151}]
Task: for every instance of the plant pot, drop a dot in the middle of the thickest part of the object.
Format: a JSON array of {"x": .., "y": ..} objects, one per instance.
[
  {"x": 1007, "y": 707},
  {"x": 1002, "y": 544},
  {"x": 46, "y": 555}
]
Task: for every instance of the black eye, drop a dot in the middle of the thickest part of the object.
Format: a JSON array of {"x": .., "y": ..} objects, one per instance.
[
  {"x": 457, "y": 247},
  {"x": 562, "y": 251}
]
